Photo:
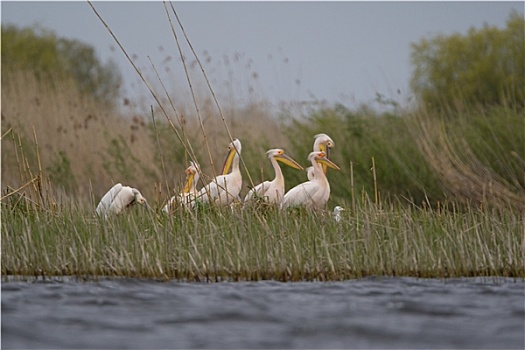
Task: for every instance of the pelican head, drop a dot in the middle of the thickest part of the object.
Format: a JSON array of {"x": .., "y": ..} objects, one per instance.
[
  {"x": 234, "y": 148},
  {"x": 192, "y": 175},
  {"x": 137, "y": 197},
  {"x": 278, "y": 154},
  {"x": 323, "y": 143},
  {"x": 320, "y": 157}
]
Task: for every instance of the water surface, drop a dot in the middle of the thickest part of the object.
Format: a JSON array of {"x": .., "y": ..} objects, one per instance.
[{"x": 364, "y": 313}]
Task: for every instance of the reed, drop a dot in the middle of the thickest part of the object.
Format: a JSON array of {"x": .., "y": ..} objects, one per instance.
[{"x": 253, "y": 244}]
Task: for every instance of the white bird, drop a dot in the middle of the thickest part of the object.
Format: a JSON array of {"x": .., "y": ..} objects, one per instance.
[
  {"x": 323, "y": 143},
  {"x": 224, "y": 189},
  {"x": 273, "y": 191},
  {"x": 310, "y": 173},
  {"x": 337, "y": 213},
  {"x": 314, "y": 193},
  {"x": 117, "y": 199},
  {"x": 188, "y": 193}
]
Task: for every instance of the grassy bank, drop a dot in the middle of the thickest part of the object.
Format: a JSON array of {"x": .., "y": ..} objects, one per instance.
[{"x": 248, "y": 244}]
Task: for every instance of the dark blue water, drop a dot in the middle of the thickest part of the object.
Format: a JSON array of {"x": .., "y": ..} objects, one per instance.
[{"x": 366, "y": 313}]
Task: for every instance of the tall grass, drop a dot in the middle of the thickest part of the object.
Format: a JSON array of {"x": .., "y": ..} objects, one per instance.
[{"x": 250, "y": 244}]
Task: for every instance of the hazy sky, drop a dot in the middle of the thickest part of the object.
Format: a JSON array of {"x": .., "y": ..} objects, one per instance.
[{"x": 335, "y": 51}]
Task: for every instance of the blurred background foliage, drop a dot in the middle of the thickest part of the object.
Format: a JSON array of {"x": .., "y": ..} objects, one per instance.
[
  {"x": 483, "y": 67},
  {"x": 463, "y": 139},
  {"x": 49, "y": 57}
]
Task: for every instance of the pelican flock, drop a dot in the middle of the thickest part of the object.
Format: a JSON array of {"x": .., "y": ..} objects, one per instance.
[{"x": 225, "y": 188}]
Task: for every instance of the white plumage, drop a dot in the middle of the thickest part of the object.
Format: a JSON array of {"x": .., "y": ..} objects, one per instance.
[
  {"x": 224, "y": 189},
  {"x": 314, "y": 193},
  {"x": 186, "y": 197},
  {"x": 273, "y": 191},
  {"x": 117, "y": 199},
  {"x": 337, "y": 213},
  {"x": 310, "y": 173},
  {"x": 323, "y": 143}
]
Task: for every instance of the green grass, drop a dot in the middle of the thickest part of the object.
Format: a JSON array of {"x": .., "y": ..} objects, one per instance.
[{"x": 254, "y": 244}]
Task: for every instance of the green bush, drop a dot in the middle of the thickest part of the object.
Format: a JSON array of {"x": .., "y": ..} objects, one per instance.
[
  {"x": 400, "y": 167},
  {"x": 484, "y": 67}
]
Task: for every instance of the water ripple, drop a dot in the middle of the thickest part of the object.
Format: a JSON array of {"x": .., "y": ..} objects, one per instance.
[{"x": 366, "y": 313}]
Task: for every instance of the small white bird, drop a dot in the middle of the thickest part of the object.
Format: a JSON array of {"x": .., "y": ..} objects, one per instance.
[
  {"x": 188, "y": 193},
  {"x": 323, "y": 143},
  {"x": 337, "y": 213},
  {"x": 314, "y": 193},
  {"x": 224, "y": 189},
  {"x": 117, "y": 199},
  {"x": 273, "y": 191}
]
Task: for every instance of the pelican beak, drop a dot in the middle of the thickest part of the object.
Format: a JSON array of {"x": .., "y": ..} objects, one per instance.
[
  {"x": 326, "y": 149},
  {"x": 325, "y": 161},
  {"x": 288, "y": 161},
  {"x": 189, "y": 182},
  {"x": 228, "y": 161}
]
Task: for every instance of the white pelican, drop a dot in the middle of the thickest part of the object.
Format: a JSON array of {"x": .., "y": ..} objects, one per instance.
[
  {"x": 273, "y": 191},
  {"x": 310, "y": 173},
  {"x": 337, "y": 213},
  {"x": 117, "y": 199},
  {"x": 314, "y": 193},
  {"x": 323, "y": 143},
  {"x": 187, "y": 195},
  {"x": 225, "y": 189}
]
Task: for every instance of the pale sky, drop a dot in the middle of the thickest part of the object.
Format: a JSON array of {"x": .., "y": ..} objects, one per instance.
[{"x": 342, "y": 52}]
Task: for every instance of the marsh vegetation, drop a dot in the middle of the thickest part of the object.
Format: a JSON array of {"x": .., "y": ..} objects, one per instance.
[{"x": 431, "y": 192}]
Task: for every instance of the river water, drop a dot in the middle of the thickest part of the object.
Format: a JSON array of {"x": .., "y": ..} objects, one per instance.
[{"x": 372, "y": 312}]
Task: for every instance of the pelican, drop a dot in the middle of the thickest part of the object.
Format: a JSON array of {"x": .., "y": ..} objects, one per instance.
[
  {"x": 323, "y": 143},
  {"x": 187, "y": 195},
  {"x": 337, "y": 213},
  {"x": 310, "y": 173},
  {"x": 225, "y": 188},
  {"x": 314, "y": 193},
  {"x": 273, "y": 191},
  {"x": 117, "y": 199}
]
